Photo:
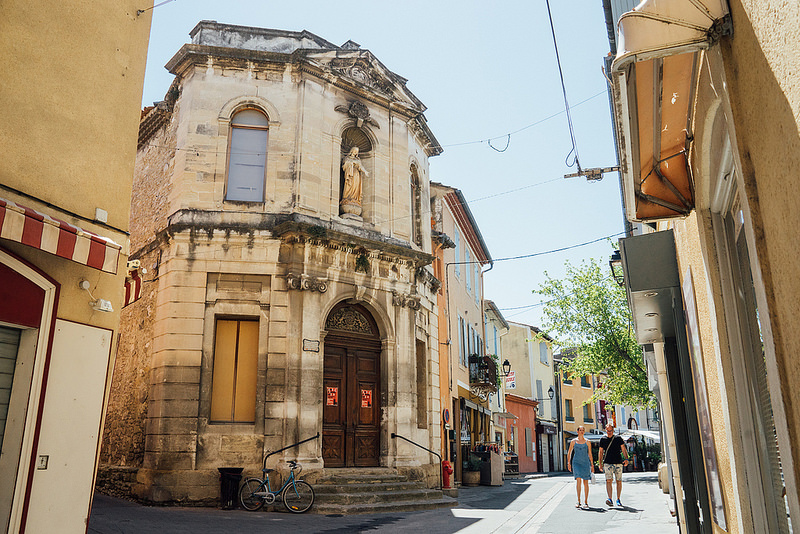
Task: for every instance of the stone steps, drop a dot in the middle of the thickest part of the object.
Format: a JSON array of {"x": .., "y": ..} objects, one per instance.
[
  {"x": 373, "y": 490},
  {"x": 383, "y": 507},
  {"x": 362, "y": 487}
]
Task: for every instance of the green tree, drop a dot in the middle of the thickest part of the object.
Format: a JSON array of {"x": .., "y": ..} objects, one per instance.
[{"x": 588, "y": 312}]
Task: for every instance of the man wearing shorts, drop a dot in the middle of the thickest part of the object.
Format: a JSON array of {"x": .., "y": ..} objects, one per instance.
[{"x": 615, "y": 455}]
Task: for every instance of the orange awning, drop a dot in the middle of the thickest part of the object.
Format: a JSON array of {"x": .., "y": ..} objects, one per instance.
[{"x": 654, "y": 77}]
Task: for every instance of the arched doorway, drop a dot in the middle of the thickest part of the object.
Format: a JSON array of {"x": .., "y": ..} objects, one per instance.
[{"x": 351, "y": 388}]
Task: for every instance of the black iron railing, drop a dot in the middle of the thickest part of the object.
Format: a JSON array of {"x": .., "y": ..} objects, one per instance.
[
  {"x": 441, "y": 486},
  {"x": 289, "y": 447},
  {"x": 483, "y": 372}
]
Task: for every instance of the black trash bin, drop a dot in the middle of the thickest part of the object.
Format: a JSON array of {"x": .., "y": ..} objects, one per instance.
[{"x": 229, "y": 478}]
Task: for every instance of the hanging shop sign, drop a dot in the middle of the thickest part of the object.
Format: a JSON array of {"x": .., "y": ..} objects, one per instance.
[{"x": 511, "y": 380}]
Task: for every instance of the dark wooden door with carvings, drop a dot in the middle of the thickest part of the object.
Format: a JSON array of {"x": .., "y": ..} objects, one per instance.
[{"x": 351, "y": 389}]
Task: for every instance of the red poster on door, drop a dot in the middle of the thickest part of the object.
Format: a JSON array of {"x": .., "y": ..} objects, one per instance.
[
  {"x": 332, "y": 396},
  {"x": 366, "y": 398}
]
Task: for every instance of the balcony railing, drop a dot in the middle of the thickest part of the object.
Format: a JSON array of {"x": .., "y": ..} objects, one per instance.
[{"x": 482, "y": 373}]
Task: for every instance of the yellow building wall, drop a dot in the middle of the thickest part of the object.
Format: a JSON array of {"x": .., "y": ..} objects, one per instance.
[
  {"x": 578, "y": 395},
  {"x": 71, "y": 91},
  {"x": 764, "y": 90},
  {"x": 690, "y": 239},
  {"x": 71, "y": 86}
]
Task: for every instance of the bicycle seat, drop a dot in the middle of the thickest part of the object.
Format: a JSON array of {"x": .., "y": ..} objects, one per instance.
[{"x": 265, "y": 471}]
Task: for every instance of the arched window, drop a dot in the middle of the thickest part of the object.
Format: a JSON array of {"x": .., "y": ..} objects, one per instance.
[{"x": 247, "y": 156}]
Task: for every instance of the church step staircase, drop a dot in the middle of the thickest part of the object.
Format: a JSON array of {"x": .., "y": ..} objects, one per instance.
[{"x": 373, "y": 490}]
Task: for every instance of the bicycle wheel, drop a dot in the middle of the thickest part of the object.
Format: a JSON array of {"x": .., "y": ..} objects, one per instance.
[
  {"x": 298, "y": 497},
  {"x": 247, "y": 497}
]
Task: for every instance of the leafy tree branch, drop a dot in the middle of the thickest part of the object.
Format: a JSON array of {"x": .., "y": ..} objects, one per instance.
[{"x": 587, "y": 313}]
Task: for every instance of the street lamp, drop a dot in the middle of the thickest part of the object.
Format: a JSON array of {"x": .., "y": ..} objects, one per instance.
[
  {"x": 616, "y": 268},
  {"x": 506, "y": 367},
  {"x": 550, "y": 393}
]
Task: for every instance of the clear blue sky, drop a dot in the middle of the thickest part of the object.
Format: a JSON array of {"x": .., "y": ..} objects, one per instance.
[{"x": 483, "y": 70}]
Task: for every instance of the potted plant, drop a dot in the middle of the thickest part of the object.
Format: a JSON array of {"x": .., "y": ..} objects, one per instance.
[{"x": 471, "y": 472}]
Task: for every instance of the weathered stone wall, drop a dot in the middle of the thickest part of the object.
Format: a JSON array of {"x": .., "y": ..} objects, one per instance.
[
  {"x": 150, "y": 208},
  {"x": 123, "y": 436}
]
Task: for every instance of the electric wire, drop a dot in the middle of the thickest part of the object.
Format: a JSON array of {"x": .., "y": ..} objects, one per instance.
[
  {"x": 140, "y": 11},
  {"x": 576, "y": 160},
  {"x": 543, "y": 253},
  {"x": 544, "y": 302},
  {"x": 531, "y": 125},
  {"x": 465, "y": 143}
]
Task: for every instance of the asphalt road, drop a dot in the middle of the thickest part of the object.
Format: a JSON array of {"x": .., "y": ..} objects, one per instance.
[{"x": 536, "y": 505}]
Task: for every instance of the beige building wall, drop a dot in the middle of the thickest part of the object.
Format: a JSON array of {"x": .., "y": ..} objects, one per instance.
[
  {"x": 752, "y": 118},
  {"x": 464, "y": 318},
  {"x": 70, "y": 124}
]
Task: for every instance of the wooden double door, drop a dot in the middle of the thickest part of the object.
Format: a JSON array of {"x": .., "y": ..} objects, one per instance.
[{"x": 351, "y": 402}]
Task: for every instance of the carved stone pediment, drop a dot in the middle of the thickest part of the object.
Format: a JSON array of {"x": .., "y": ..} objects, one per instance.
[{"x": 362, "y": 68}]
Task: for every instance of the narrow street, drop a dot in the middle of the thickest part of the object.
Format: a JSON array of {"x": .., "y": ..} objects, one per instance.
[{"x": 536, "y": 505}]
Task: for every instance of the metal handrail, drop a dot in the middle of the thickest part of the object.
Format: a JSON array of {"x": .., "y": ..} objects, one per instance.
[
  {"x": 289, "y": 447},
  {"x": 441, "y": 485}
]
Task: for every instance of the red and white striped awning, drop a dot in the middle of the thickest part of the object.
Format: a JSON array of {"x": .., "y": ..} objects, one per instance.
[
  {"x": 133, "y": 287},
  {"x": 29, "y": 227}
]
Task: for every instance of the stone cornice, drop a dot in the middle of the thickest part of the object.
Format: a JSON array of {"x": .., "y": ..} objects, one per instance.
[
  {"x": 306, "y": 282},
  {"x": 194, "y": 54},
  {"x": 377, "y": 245},
  {"x": 294, "y": 228},
  {"x": 312, "y": 62}
]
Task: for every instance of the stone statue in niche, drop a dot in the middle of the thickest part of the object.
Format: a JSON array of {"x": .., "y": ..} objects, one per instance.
[{"x": 354, "y": 174}]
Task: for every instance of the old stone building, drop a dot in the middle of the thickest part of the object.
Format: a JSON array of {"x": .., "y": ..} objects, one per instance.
[{"x": 278, "y": 209}]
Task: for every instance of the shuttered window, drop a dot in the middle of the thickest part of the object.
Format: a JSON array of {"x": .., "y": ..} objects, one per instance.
[
  {"x": 247, "y": 156},
  {"x": 528, "y": 442},
  {"x": 9, "y": 343},
  {"x": 233, "y": 387}
]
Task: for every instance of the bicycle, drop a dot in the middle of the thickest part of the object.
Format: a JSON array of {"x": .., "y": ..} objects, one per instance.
[{"x": 297, "y": 495}]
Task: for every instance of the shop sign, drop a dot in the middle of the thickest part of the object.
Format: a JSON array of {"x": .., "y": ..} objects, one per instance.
[{"x": 511, "y": 380}]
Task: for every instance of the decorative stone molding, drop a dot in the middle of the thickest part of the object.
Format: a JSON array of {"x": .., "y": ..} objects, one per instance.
[
  {"x": 358, "y": 111},
  {"x": 363, "y": 71},
  {"x": 348, "y": 320},
  {"x": 426, "y": 277},
  {"x": 305, "y": 282},
  {"x": 398, "y": 299}
]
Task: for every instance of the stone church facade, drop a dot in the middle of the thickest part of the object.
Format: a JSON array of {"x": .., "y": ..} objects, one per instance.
[{"x": 278, "y": 212}]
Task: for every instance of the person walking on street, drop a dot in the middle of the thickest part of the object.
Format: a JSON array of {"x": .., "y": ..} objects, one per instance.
[
  {"x": 581, "y": 465},
  {"x": 614, "y": 455}
]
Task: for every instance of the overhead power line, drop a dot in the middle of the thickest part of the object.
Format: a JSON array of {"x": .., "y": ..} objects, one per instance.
[
  {"x": 576, "y": 160},
  {"x": 531, "y": 125}
]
